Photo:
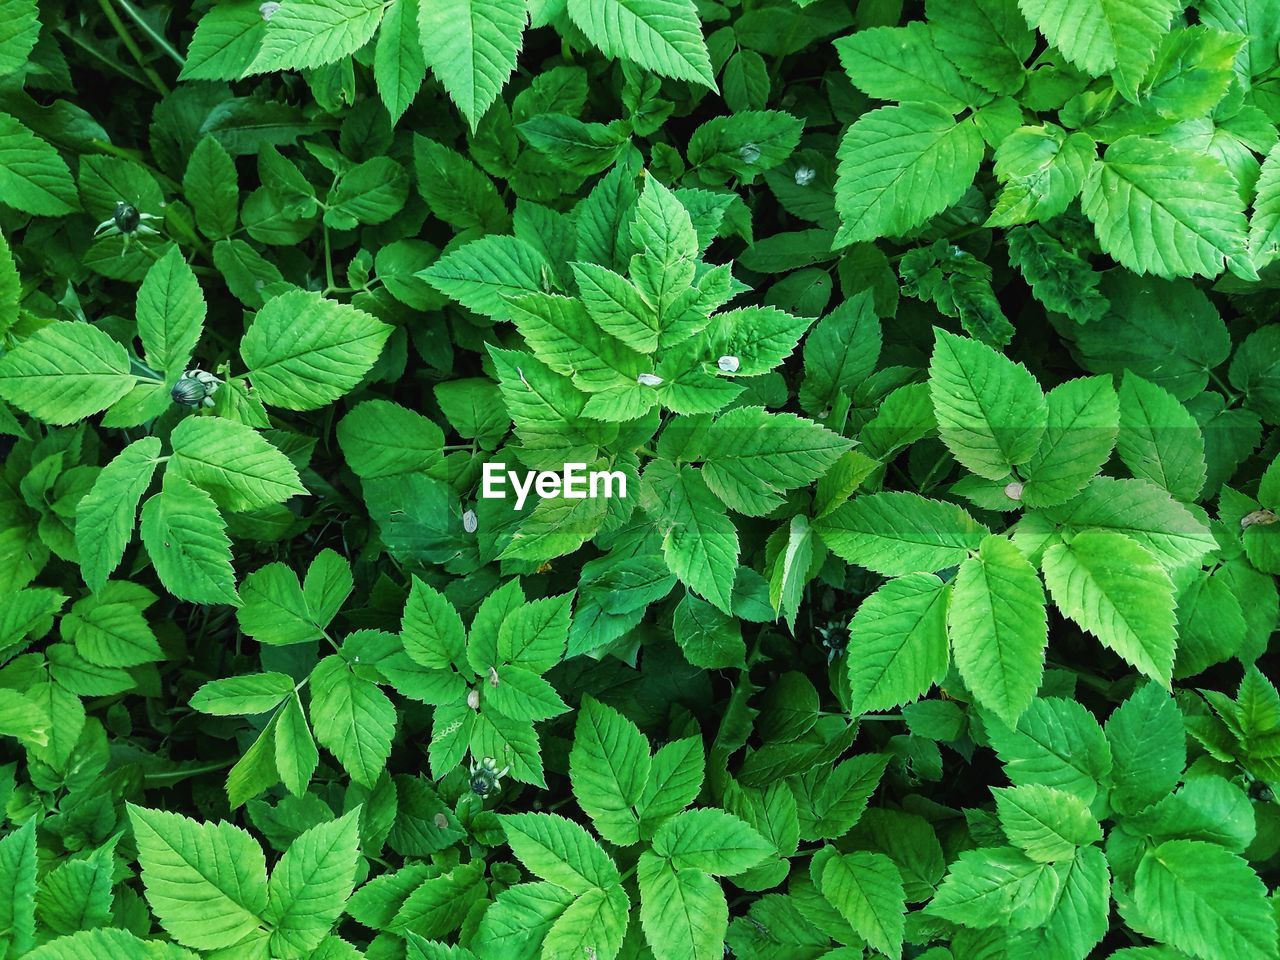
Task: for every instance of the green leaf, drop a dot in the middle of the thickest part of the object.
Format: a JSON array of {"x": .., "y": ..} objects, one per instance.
[
  {"x": 896, "y": 532},
  {"x": 1159, "y": 439},
  {"x": 1045, "y": 823},
  {"x": 1104, "y": 36},
  {"x": 1060, "y": 278},
  {"x": 990, "y": 411},
  {"x": 661, "y": 35},
  {"x": 471, "y": 47},
  {"x": 1198, "y": 897},
  {"x": 905, "y": 63},
  {"x": 593, "y": 924},
  {"x": 711, "y": 841},
  {"x": 999, "y": 627},
  {"x": 675, "y": 778},
  {"x": 207, "y": 882},
  {"x": 617, "y": 306},
  {"x": 744, "y": 144},
  {"x": 534, "y": 634},
  {"x": 304, "y": 351},
  {"x": 752, "y": 457},
  {"x": 987, "y": 39},
  {"x": 511, "y": 743},
  {"x": 65, "y": 372},
  {"x": 898, "y": 643},
  {"x": 10, "y": 287},
  {"x": 708, "y": 637},
  {"x": 457, "y": 191},
  {"x": 109, "y": 629},
  {"x": 901, "y": 165},
  {"x": 274, "y": 610},
  {"x": 233, "y": 463},
  {"x": 370, "y": 192},
  {"x": 225, "y": 41},
  {"x": 383, "y": 439},
  {"x": 559, "y": 851},
  {"x": 304, "y": 34},
  {"x": 1115, "y": 589},
  {"x": 311, "y": 883},
  {"x": 999, "y": 886},
  {"x": 431, "y": 629},
  {"x": 1264, "y": 225},
  {"x": 18, "y": 35},
  {"x": 1148, "y": 748},
  {"x": 352, "y": 718},
  {"x": 1082, "y": 421},
  {"x": 584, "y": 148},
  {"x": 210, "y": 185},
  {"x": 683, "y": 912},
  {"x": 399, "y": 65},
  {"x": 608, "y": 768},
  {"x": 107, "y": 944},
  {"x": 482, "y": 274},
  {"x": 866, "y": 888},
  {"x": 295, "y": 752},
  {"x": 522, "y": 694},
  {"x": 1057, "y": 743},
  {"x": 1193, "y": 69},
  {"x": 18, "y": 880},
  {"x": 106, "y": 514},
  {"x": 1041, "y": 170},
  {"x": 76, "y": 894},
  {"x": 186, "y": 539},
  {"x": 1167, "y": 211},
  {"x": 1141, "y": 511},
  {"x": 33, "y": 177},
  {"x": 840, "y": 353},
  {"x": 244, "y": 695},
  {"x": 700, "y": 542}
]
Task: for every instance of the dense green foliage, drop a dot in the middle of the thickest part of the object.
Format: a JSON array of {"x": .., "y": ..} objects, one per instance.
[{"x": 932, "y": 344}]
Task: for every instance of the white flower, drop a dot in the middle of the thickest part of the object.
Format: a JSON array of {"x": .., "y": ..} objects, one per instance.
[
  {"x": 268, "y": 9},
  {"x": 749, "y": 152},
  {"x": 470, "y": 522},
  {"x": 649, "y": 380},
  {"x": 728, "y": 364},
  {"x": 804, "y": 176}
]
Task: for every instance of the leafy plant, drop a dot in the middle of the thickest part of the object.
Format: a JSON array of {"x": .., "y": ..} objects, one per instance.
[{"x": 925, "y": 354}]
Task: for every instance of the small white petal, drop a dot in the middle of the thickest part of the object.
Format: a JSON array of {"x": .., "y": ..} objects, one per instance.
[
  {"x": 749, "y": 152},
  {"x": 649, "y": 380},
  {"x": 804, "y": 176},
  {"x": 470, "y": 522},
  {"x": 268, "y": 9},
  {"x": 728, "y": 364},
  {"x": 1013, "y": 490}
]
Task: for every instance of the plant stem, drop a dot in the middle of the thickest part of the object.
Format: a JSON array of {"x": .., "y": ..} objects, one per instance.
[
  {"x": 131, "y": 45},
  {"x": 152, "y": 35},
  {"x": 329, "y": 285}
]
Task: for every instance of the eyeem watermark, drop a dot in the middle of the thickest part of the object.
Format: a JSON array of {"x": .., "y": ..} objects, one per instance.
[{"x": 574, "y": 482}]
